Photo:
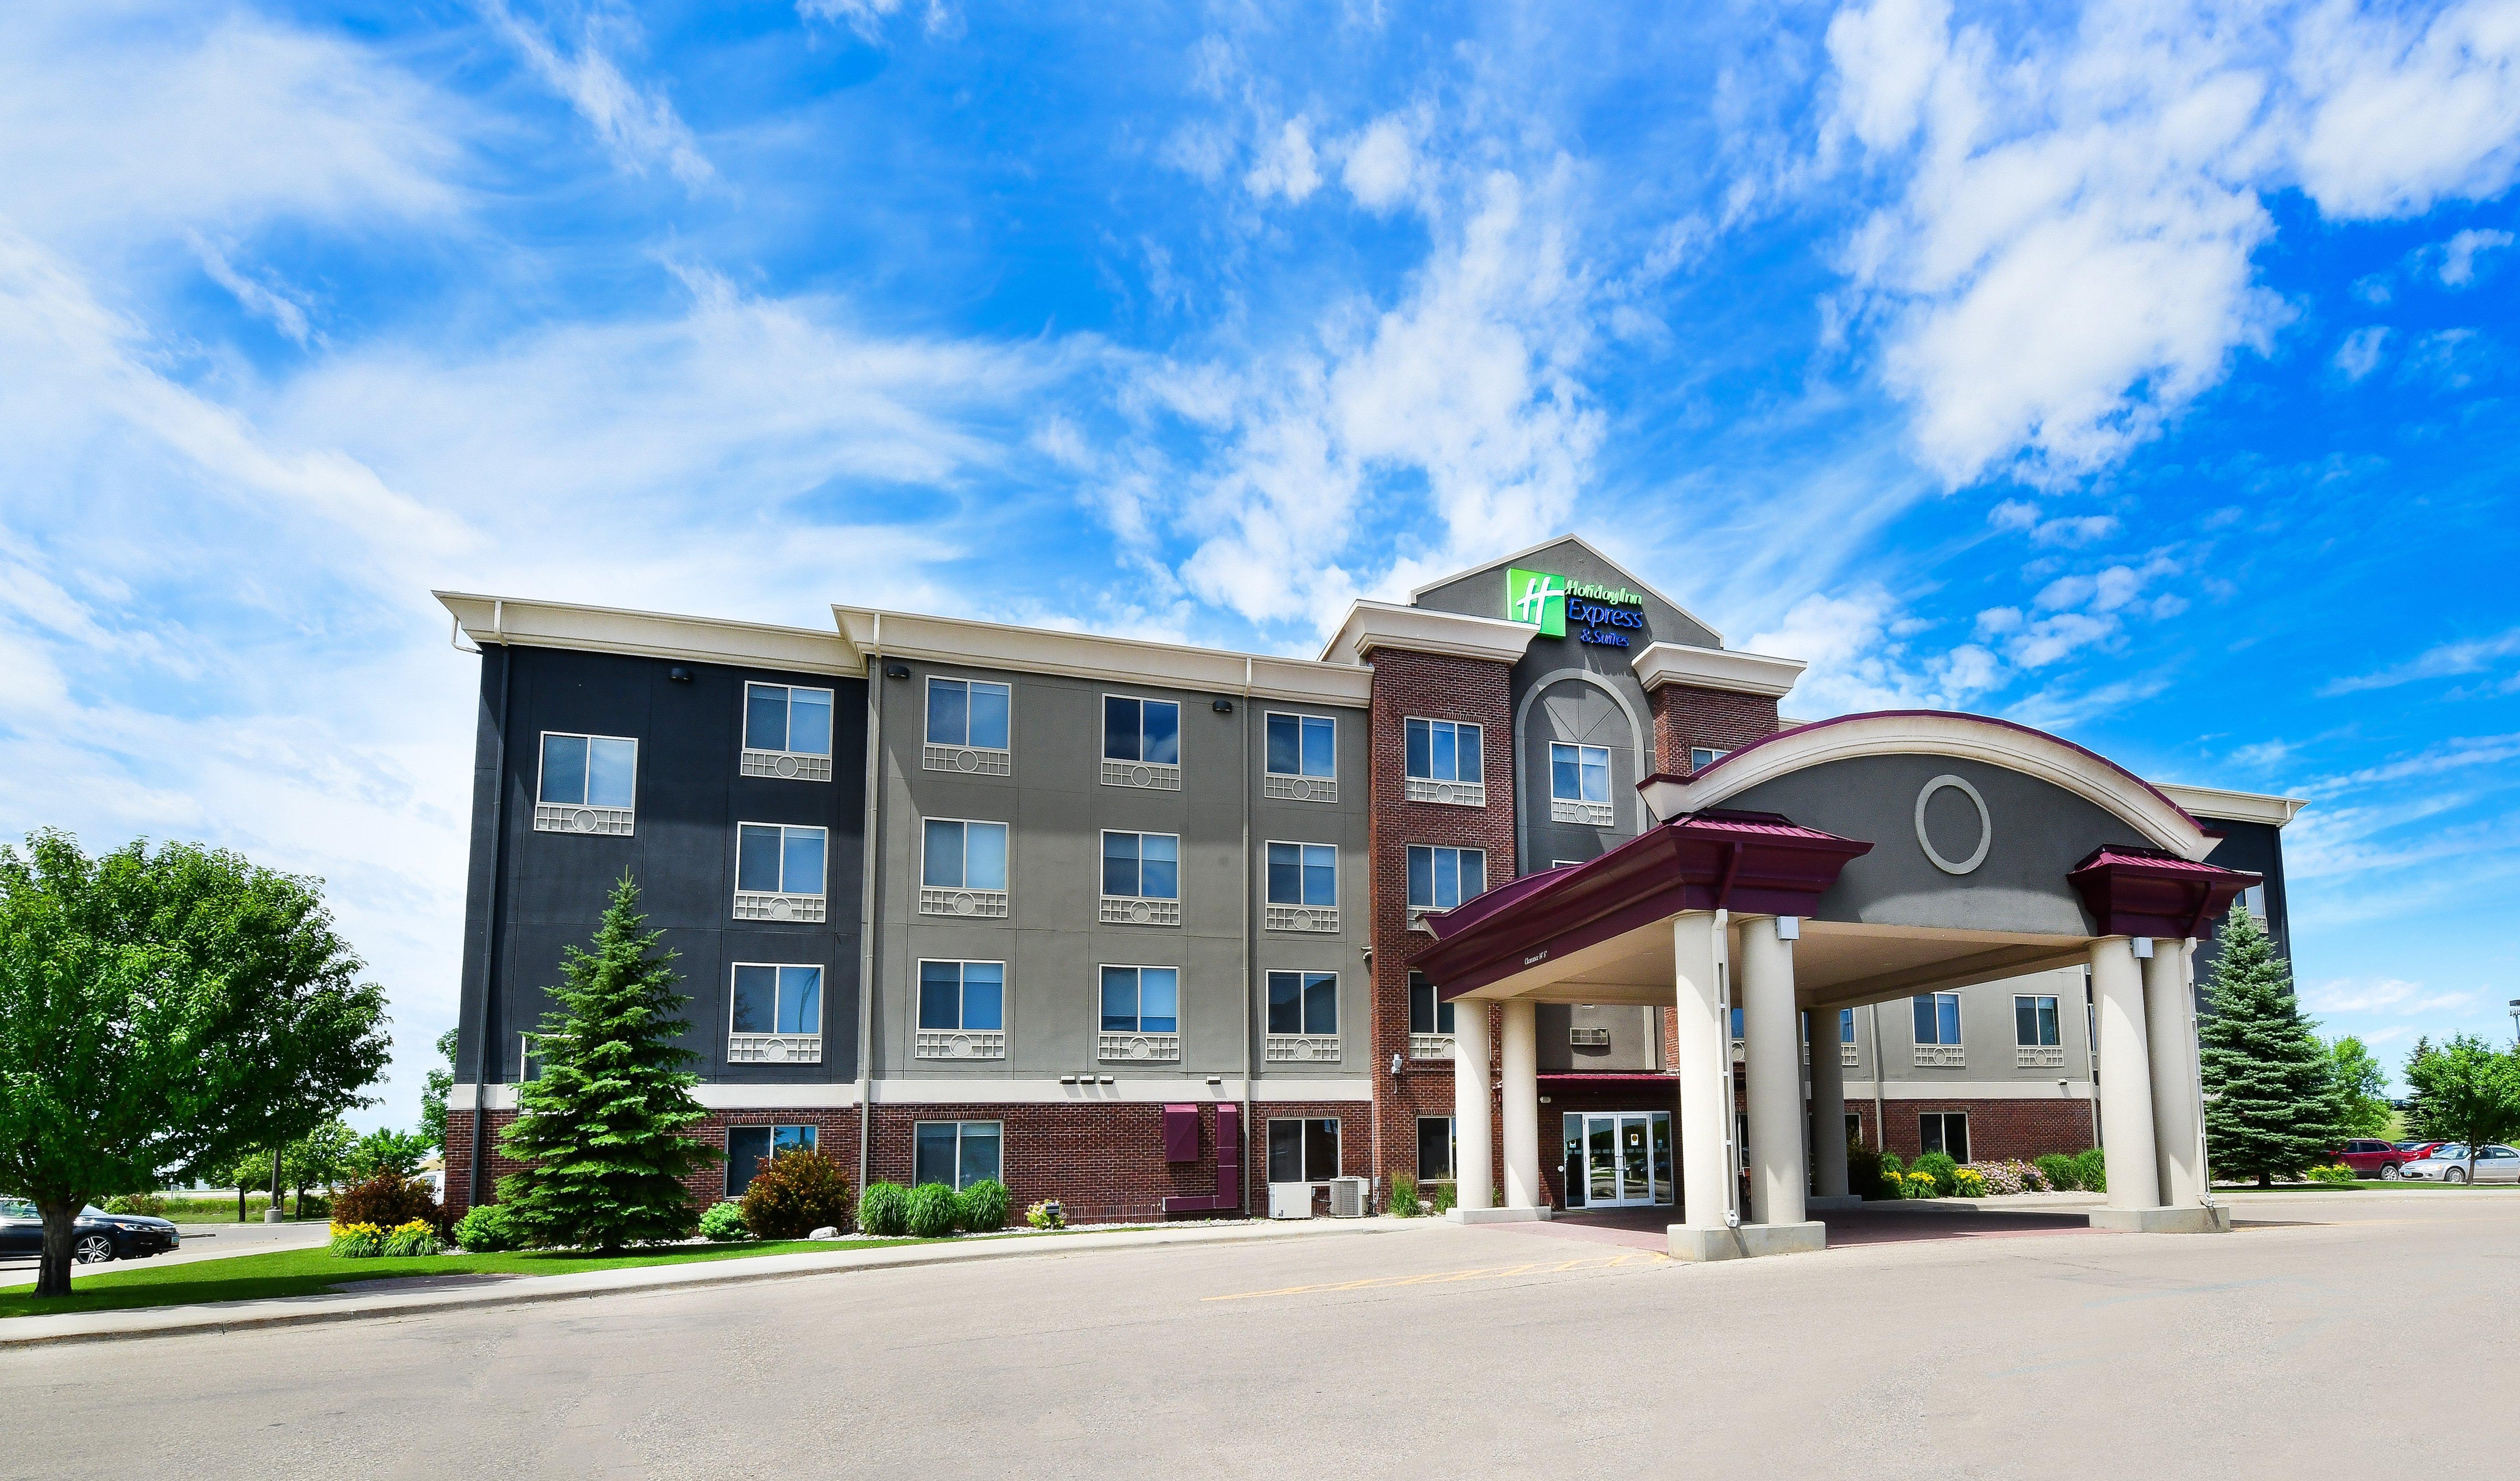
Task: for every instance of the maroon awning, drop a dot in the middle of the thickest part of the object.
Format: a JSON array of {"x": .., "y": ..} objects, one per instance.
[{"x": 2145, "y": 892}]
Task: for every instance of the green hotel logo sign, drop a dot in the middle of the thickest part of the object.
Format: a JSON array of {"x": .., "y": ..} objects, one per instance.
[{"x": 1541, "y": 599}]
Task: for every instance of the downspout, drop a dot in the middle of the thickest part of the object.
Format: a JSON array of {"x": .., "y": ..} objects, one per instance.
[
  {"x": 1880, "y": 1127},
  {"x": 1250, "y": 948},
  {"x": 490, "y": 918},
  {"x": 870, "y": 860},
  {"x": 2196, "y": 1068}
]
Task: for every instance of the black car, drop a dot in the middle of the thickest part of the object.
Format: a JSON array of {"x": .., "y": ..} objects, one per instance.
[{"x": 97, "y": 1237}]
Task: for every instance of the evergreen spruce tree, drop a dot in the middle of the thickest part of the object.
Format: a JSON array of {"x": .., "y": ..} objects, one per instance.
[
  {"x": 603, "y": 1128},
  {"x": 2270, "y": 1099}
]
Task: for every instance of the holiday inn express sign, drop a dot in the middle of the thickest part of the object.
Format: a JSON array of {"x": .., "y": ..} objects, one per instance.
[{"x": 1602, "y": 614}]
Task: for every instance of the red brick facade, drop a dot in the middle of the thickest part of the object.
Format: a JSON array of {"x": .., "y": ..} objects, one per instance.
[
  {"x": 1998, "y": 1130},
  {"x": 836, "y": 1131},
  {"x": 1685, "y": 716}
]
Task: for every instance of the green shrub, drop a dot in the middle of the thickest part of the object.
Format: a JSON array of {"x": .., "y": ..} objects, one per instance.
[
  {"x": 795, "y": 1193},
  {"x": 984, "y": 1206},
  {"x": 1916, "y": 1185},
  {"x": 1968, "y": 1183},
  {"x": 1404, "y": 1195},
  {"x": 1048, "y": 1213},
  {"x": 1892, "y": 1166},
  {"x": 934, "y": 1211},
  {"x": 357, "y": 1241},
  {"x": 417, "y": 1237},
  {"x": 1868, "y": 1173},
  {"x": 487, "y": 1230},
  {"x": 2092, "y": 1171},
  {"x": 1446, "y": 1198},
  {"x": 388, "y": 1201},
  {"x": 2334, "y": 1174},
  {"x": 1943, "y": 1170},
  {"x": 883, "y": 1211},
  {"x": 723, "y": 1224},
  {"x": 138, "y": 1203},
  {"x": 2060, "y": 1172}
]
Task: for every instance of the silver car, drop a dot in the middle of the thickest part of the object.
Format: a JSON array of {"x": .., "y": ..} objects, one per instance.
[{"x": 2449, "y": 1164}]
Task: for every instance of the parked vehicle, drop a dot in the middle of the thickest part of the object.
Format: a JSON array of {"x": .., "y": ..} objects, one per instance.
[
  {"x": 97, "y": 1237},
  {"x": 2370, "y": 1158},
  {"x": 2449, "y": 1163},
  {"x": 2417, "y": 1151}
]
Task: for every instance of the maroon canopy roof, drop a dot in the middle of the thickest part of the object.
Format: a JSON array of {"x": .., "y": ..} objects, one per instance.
[{"x": 2146, "y": 892}]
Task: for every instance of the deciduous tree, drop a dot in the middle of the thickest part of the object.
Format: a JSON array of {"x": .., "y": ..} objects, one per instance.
[
  {"x": 2359, "y": 1080},
  {"x": 2471, "y": 1092}
]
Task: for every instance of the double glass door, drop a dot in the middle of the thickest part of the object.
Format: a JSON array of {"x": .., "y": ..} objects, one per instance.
[{"x": 1618, "y": 1159}]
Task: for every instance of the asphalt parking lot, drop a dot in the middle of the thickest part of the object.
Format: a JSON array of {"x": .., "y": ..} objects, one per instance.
[{"x": 1441, "y": 1349}]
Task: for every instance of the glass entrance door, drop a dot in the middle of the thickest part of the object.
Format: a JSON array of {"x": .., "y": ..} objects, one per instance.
[{"x": 1618, "y": 1159}]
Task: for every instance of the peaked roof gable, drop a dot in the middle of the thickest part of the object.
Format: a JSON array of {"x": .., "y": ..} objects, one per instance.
[{"x": 1590, "y": 548}]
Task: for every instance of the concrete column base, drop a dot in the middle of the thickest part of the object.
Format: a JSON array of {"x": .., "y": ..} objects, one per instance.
[
  {"x": 1818, "y": 1202},
  {"x": 2165, "y": 1221},
  {"x": 1496, "y": 1215},
  {"x": 1749, "y": 1243}
]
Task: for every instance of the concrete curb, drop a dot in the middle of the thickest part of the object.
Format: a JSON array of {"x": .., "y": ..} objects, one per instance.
[{"x": 302, "y": 1311}]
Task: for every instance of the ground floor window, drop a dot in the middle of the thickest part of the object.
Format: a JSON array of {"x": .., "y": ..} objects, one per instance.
[
  {"x": 1855, "y": 1130},
  {"x": 749, "y": 1146},
  {"x": 1434, "y": 1148},
  {"x": 1304, "y": 1151},
  {"x": 957, "y": 1154},
  {"x": 1945, "y": 1132}
]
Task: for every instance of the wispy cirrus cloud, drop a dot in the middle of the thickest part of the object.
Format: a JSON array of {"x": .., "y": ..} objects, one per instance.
[{"x": 2468, "y": 656}]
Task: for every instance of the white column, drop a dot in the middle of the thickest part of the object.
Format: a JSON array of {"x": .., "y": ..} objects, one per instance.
[
  {"x": 1473, "y": 1173},
  {"x": 2126, "y": 1076},
  {"x": 1828, "y": 1106},
  {"x": 1705, "y": 1065},
  {"x": 1519, "y": 1052},
  {"x": 2169, "y": 1026},
  {"x": 1772, "y": 1055}
]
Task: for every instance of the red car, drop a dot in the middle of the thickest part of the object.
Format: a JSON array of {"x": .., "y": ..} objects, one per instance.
[{"x": 2371, "y": 1158}]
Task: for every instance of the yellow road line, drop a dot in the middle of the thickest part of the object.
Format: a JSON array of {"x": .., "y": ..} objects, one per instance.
[{"x": 1634, "y": 1259}]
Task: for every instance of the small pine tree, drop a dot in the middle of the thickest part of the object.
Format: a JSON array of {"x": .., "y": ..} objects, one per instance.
[
  {"x": 2271, "y": 1100},
  {"x": 602, "y": 1129}
]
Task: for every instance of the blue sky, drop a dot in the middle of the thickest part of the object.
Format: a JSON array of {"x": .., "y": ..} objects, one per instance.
[{"x": 2144, "y": 373}]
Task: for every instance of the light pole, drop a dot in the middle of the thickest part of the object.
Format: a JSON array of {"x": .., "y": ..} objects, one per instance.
[{"x": 2515, "y": 1023}]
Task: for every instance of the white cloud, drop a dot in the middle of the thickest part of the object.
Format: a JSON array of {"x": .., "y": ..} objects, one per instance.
[
  {"x": 263, "y": 300},
  {"x": 866, "y": 18},
  {"x": 1287, "y": 165},
  {"x": 1379, "y": 165},
  {"x": 2389, "y": 996},
  {"x": 1863, "y": 657},
  {"x": 638, "y": 125},
  {"x": 2469, "y": 655},
  {"x": 2359, "y": 354},
  {"x": 2397, "y": 111},
  {"x": 2459, "y": 255}
]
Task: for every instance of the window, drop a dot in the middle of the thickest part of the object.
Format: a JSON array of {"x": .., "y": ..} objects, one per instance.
[
  {"x": 963, "y": 997},
  {"x": 1442, "y": 751},
  {"x": 776, "y": 859},
  {"x": 2034, "y": 1021},
  {"x": 529, "y": 1057},
  {"x": 2254, "y": 901},
  {"x": 967, "y": 712},
  {"x": 1141, "y": 1000},
  {"x": 749, "y": 1146},
  {"x": 956, "y": 1153},
  {"x": 1304, "y": 1151},
  {"x": 1141, "y": 730},
  {"x": 964, "y": 854},
  {"x": 1945, "y": 1132},
  {"x": 1303, "y": 874},
  {"x": 1303, "y": 1003},
  {"x": 1302, "y": 745},
  {"x": 588, "y": 784},
  {"x": 1938, "y": 1018},
  {"x": 1846, "y": 1025},
  {"x": 1141, "y": 866},
  {"x": 796, "y": 722},
  {"x": 1736, "y": 1020},
  {"x": 1440, "y": 879},
  {"x": 1579, "y": 773},
  {"x": 1434, "y": 1148},
  {"x": 1700, "y": 757},
  {"x": 1426, "y": 1016},
  {"x": 777, "y": 1000}
]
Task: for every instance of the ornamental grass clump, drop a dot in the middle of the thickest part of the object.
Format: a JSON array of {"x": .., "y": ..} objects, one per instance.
[
  {"x": 795, "y": 1193},
  {"x": 935, "y": 1211},
  {"x": 1404, "y": 1195},
  {"x": 357, "y": 1241},
  {"x": 883, "y": 1211},
  {"x": 984, "y": 1206},
  {"x": 2092, "y": 1171},
  {"x": 723, "y": 1224}
]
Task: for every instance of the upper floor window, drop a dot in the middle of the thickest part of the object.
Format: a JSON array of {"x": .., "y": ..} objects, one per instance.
[
  {"x": 964, "y": 854},
  {"x": 1938, "y": 1017},
  {"x": 962, "y": 996},
  {"x": 1141, "y": 730},
  {"x": 1302, "y": 745},
  {"x": 778, "y": 859},
  {"x": 777, "y": 717},
  {"x": 1141, "y": 1000},
  {"x": 969, "y": 712},
  {"x": 1440, "y": 879},
  {"x": 1846, "y": 1025},
  {"x": 1579, "y": 773},
  {"x": 588, "y": 784},
  {"x": 1141, "y": 866},
  {"x": 1428, "y": 1016},
  {"x": 1700, "y": 757},
  {"x": 1303, "y": 874},
  {"x": 777, "y": 1000},
  {"x": 2034, "y": 1021},
  {"x": 1443, "y": 751},
  {"x": 1303, "y": 1003}
]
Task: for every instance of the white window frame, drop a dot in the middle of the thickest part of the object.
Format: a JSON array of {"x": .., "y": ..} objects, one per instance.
[
  {"x": 960, "y": 1129},
  {"x": 1416, "y": 912},
  {"x": 1283, "y": 915},
  {"x": 1140, "y": 909},
  {"x": 965, "y": 759},
  {"x": 1846, "y": 1042},
  {"x": 789, "y": 765},
  {"x": 2039, "y": 1056},
  {"x": 1138, "y": 1045},
  {"x": 1435, "y": 1041},
  {"x": 965, "y": 899},
  {"x": 1934, "y": 1053},
  {"x": 958, "y": 1042},
  {"x": 581, "y": 816},
  {"x": 1966, "y": 1135},
  {"x": 1712, "y": 754},
  {"x": 1303, "y": 1047},
  {"x": 1119, "y": 771},
  {"x": 1338, "y": 1149},
  {"x": 783, "y": 903},
  {"x": 1298, "y": 785},
  {"x": 1578, "y": 809},
  {"x": 1451, "y": 1150},
  {"x": 802, "y": 1047},
  {"x": 813, "y": 1132},
  {"x": 1452, "y": 790}
]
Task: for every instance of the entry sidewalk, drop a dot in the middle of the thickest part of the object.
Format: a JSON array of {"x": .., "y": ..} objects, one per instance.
[{"x": 457, "y": 1292}]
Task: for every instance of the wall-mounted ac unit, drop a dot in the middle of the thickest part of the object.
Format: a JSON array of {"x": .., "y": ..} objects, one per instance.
[
  {"x": 1290, "y": 1200},
  {"x": 1347, "y": 1197}
]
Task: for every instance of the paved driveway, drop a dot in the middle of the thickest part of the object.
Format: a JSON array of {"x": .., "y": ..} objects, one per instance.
[{"x": 1493, "y": 1349}]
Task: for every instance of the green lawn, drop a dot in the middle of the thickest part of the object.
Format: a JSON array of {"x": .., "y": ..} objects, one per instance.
[
  {"x": 311, "y": 1271},
  {"x": 2353, "y": 1186}
]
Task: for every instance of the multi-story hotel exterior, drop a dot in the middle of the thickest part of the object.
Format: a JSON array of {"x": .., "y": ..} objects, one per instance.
[{"x": 1135, "y": 926}]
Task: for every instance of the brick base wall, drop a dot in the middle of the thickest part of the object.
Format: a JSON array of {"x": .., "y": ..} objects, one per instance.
[
  {"x": 835, "y": 1132},
  {"x": 1999, "y": 1130}
]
